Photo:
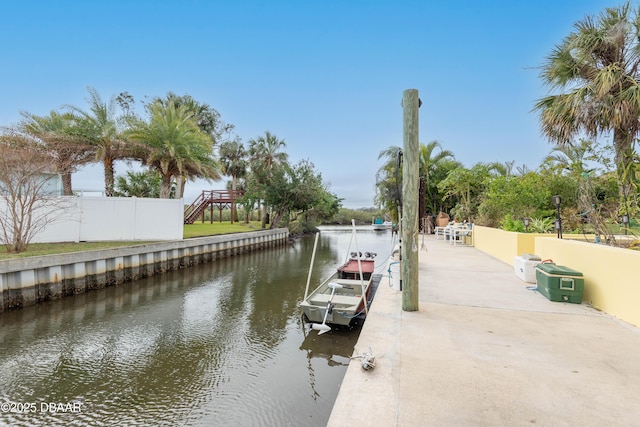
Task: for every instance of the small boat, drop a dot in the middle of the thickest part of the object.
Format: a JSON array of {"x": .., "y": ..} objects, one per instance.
[
  {"x": 379, "y": 225},
  {"x": 343, "y": 296},
  {"x": 339, "y": 299}
]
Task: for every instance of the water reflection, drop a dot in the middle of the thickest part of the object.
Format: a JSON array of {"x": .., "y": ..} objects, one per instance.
[
  {"x": 336, "y": 348},
  {"x": 217, "y": 344}
]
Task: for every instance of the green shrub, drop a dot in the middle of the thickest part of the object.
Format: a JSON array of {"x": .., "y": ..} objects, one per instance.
[
  {"x": 361, "y": 216},
  {"x": 541, "y": 225},
  {"x": 510, "y": 224}
]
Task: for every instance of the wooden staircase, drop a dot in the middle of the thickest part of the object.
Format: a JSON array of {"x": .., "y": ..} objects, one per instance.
[{"x": 209, "y": 198}]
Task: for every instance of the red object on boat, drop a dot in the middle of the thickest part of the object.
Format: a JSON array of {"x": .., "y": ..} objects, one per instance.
[{"x": 351, "y": 270}]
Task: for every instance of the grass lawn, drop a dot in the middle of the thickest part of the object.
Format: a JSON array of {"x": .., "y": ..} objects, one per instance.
[
  {"x": 195, "y": 230},
  {"x": 200, "y": 229}
]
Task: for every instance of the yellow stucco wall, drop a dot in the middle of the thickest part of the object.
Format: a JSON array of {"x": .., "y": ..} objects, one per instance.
[
  {"x": 611, "y": 275},
  {"x": 504, "y": 245}
]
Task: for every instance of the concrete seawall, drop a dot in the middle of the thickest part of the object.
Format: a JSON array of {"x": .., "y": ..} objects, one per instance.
[{"x": 28, "y": 281}]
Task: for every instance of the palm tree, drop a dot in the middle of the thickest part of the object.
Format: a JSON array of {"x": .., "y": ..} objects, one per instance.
[
  {"x": 139, "y": 184},
  {"x": 265, "y": 157},
  {"x": 506, "y": 169},
  {"x": 570, "y": 158},
  {"x": 207, "y": 118},
  {"x": 173, "y": 144},
  {"x": 596, "y": 68},
  {"x": 63, "y": 136},
  {"x": 434, "y": 167},
  {"x": 501, "y": 169},
  {"x": 233, "y": 158},
  {"x": 430, "y": 160},
  {"x": 105, "y": 134},
  {"x": 389, "y": 181}
]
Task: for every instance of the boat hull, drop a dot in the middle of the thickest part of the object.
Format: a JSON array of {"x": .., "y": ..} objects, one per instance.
[{"x": 344, "y": 305}]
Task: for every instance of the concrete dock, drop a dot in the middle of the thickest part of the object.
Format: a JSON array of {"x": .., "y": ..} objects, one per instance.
[{"x": 486, "y": 349}]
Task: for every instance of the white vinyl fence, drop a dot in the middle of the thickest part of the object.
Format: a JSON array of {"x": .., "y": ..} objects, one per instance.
[{"x": 112, "y": 219}]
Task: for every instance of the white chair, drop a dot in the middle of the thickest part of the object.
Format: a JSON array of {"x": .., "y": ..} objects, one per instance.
[
  {"x": 440, "y": 231},
  {"x": 449, "y": 232},
  {"x": 443, "y": 233},
  {"x": 463, "y": 234}
]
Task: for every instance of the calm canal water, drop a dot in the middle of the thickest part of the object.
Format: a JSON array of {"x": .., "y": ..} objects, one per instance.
[{"x": 214, "y": 345}]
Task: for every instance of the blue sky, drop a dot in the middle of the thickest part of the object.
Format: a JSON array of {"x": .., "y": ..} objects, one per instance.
[{"x": 325, "y": 76}]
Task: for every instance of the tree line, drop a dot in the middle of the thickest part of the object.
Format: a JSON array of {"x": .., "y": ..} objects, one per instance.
[
  {"x": 592, "y": 117},
  {"x": 176, "y": 140},
  {"x": 504, "y": 194}
]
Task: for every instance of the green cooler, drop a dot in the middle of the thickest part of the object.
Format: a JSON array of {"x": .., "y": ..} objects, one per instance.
[{"x": 559, "y": 283}]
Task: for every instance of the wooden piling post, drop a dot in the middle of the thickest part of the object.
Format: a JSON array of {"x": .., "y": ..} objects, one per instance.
[{"x": 410, "y": 175}]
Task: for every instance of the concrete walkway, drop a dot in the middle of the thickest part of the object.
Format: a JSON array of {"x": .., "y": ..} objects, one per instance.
[{"x": 486, "y": 349}]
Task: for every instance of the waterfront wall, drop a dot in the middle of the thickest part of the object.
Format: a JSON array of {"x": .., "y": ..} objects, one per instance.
[
  {"x": 503, "y": 245},
  {"x": 28, "y": 281},
  {"x": 611, "y": 275},
  {"x": 611, "y": 282}
]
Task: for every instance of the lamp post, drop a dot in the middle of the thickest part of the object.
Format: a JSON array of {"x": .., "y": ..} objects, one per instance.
[
  {"x": 526, "y": 224},
  {"x": 557, "y": 200},
  {"x": 625, "y": 221}
]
